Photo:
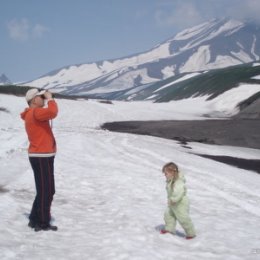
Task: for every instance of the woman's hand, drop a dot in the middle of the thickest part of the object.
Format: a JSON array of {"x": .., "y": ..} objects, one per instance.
[{"x": 48, "y": 95}]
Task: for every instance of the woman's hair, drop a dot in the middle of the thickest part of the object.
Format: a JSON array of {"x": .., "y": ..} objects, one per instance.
[{"x": 171, "y": 167}]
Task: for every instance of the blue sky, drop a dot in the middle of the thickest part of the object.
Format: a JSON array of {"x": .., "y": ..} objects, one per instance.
[{"x": 38, "y": 36}]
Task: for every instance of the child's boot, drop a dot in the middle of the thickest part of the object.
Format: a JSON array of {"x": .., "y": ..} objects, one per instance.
[
  {"x": 190, "y": 237},
  {"x": 164, "y": 231}
]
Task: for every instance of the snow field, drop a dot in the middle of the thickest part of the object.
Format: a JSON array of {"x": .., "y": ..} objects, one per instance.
[{"x": 110, "y": 192}]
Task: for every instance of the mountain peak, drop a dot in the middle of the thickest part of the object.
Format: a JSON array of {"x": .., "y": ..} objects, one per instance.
[
  {"x": 215, "y": 44},
  {"x": 214, "y": 26},
  {"x": 4, "y": 80}
]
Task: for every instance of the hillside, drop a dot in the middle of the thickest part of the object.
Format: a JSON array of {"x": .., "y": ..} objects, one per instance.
[
  {"x": 211, "y": 45},
  {"x": 237, "y": 86},
  {"x": 207, "y": 83}
]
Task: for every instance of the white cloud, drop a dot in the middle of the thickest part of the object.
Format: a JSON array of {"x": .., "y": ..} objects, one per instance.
[
  {"x": 38, "y": 30},
  {"x": 236, "y": 9},
  {"x": 180, "y": 15},
  {"x": 18, "y": 30},
  {"x": 250, "y": 9},
  {"x": 21, "y": 30}
]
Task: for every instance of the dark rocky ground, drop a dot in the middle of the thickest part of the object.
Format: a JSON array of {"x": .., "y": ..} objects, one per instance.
[{"x": 235, "y": 132}]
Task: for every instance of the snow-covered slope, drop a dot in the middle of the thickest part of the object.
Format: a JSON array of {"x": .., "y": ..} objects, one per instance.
[
  {"x": 209, "y": 84},
  {"x": 110, "y": 192},
  {"x": 215, "y": 44}
]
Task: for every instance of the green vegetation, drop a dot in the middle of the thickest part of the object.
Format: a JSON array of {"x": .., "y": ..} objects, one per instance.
[
  {"x": 13, "y": 90},
  {"x": 212, "y": 83},
  {"x": 21, "y": 91}
]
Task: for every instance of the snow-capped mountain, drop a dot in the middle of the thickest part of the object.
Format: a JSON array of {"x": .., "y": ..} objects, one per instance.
[
  {"x": 211, "y": 45},
  {"x": 4, "y": 80}
]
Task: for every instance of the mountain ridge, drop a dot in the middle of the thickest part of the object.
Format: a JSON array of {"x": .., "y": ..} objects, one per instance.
[{"x": 211, "y": 45}]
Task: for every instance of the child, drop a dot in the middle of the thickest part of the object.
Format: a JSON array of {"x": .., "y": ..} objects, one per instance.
[{"x": 178, "y": 203}]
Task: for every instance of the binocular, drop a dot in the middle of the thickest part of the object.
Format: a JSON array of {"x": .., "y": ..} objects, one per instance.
[{"x": 42, "y": 96}]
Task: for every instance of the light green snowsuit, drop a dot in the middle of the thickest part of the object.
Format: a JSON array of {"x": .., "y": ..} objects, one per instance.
[{"x": 179, "y": 210}]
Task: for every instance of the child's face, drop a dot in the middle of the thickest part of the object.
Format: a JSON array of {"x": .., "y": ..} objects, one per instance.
[{"x": 169, "y": 175}]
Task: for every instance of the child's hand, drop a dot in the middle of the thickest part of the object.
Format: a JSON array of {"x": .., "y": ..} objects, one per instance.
[{"x": 171, "y": 203}]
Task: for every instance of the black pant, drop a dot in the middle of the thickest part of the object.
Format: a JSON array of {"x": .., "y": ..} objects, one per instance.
[{"x": 43, "y": 169}]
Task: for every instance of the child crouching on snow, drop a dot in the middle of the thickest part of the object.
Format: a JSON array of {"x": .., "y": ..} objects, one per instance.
[{"x": 178, "y": 203}]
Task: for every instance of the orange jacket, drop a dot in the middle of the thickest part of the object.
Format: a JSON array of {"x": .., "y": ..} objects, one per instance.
[{"x": 41, "y": 138}]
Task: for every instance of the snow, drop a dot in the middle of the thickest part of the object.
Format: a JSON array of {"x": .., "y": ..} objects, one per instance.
[
  {"x": 64, "y": 77},
  {"x": 198, "y": 61},
  {"x": 253, "y": 49},
  {"x": 211, "y": 31},
  {"x": 230, "y": 26},
  {"x": 110, "y": 192},
  {"x": 78, "y": 74},
  {"x": 124, "y": 80},
  {"x": 191, "y": 32},
  {"x": 151, "y": 97},
  {"x": 256, "y": 77},
  {"x": 137, "y": 89},
  {"x": 256, "y": 64},
  {"x": 224, "y": 102},
  {"x": 185, "y": 77},
  {"x": 168, "y": 71},
  {"x": 220, "y": 62},
  {"x": 241, "y": 55}
]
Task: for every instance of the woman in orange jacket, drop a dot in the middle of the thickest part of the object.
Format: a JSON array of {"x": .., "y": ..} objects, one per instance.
[{"x": 41, "y": 151}]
